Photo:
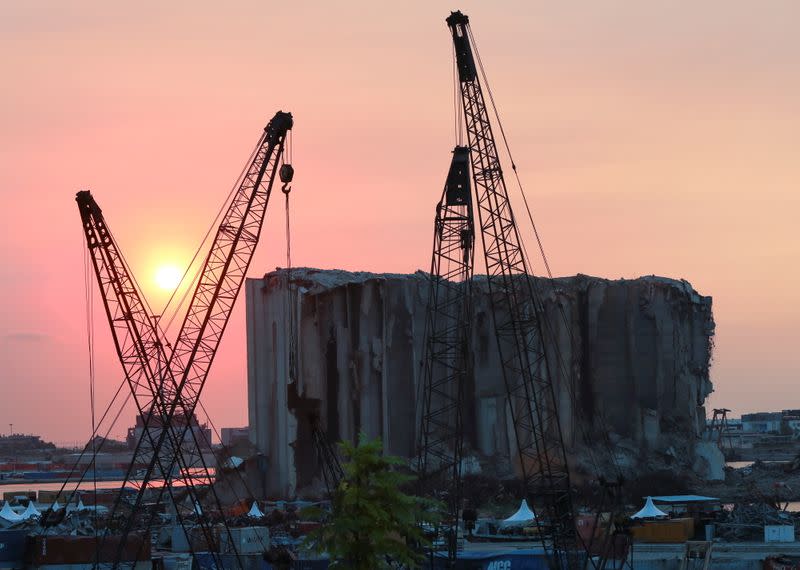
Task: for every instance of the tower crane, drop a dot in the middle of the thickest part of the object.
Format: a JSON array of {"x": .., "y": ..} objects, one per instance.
[
  {"x": 517, "y": 310},
  {"x": 175, "y": 380}
]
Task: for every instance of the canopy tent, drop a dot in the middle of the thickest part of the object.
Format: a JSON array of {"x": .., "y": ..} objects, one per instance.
[
  {"x": 31, "y": 511},
  {"x": 8, "y": 513},
  {"x": 523, "y": 516},
  {"x": 255, "y": 512},
  {"x": 649, "y": 511}
]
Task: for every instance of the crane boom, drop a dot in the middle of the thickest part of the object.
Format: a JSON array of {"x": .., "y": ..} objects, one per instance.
[
  {"x": 517, "y": 310},
  {"x": 140, "y": 349},
  {"x": 241, "y": 225},
  {"x": 222, "y": 276}
]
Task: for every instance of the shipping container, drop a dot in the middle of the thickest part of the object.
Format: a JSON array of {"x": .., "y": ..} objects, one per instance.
[
  {"x": 12, "y": 548},
  {"x": 12, "y": 496},
  {"x": 779, "y": 533},
  {"x": 206, "y": 561},
  {"x": 247, "y": 540},
  {"x": 672, "y": 530},
  {"x": 39, "y": 475},
  {"x": 517, "y": 559},
  {"x": 49, "y": 497},
  {"x": 46, "y": 550}
]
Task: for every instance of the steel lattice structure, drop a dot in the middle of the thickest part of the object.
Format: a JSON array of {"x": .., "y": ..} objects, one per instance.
[
  {"x": 517, "y": 310},
  {"x": 140, "y": 349},
  {"x": 222, "y": 276},
  {"x": 182, "y": 375},
  {"x": 445, "y": 365},
  {"x": 327, "y": 456}
]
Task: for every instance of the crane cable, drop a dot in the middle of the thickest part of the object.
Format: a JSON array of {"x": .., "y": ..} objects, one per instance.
[
  {"x": 601, "y": 419},
  {"x": 586, "y": 433},
  {"x": 286, "y": 176},
  {"x": 88, "y": 294},
  {"x": 214, "y": 224}
]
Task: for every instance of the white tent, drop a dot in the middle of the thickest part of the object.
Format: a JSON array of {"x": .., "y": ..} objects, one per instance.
[
  {"x": 523, "y": 516},
  {"x": 8, "y": 513},
  {"x": 255, "y": 512},
  {"x": 31, "y": 511},
  {"x": 649, "y": 511}
]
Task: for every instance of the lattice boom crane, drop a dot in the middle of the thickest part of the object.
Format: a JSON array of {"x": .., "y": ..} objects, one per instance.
[
  {"x": 517, "y": 310},
  {"x": 166, "y": 387}
]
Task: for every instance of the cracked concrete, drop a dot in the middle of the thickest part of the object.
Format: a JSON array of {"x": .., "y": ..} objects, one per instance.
[{"x": 636, "y": 359}]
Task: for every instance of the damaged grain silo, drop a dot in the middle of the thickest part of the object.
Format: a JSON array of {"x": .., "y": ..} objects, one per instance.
[{"x": 346, "y": 347}]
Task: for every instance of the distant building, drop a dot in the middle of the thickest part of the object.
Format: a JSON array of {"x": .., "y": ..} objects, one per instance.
[
  {"x": 785, "y": 422},
  {"x": 762, "y": 422},
  {"x": 202, "y": 433},
  {"x": 791, "y": 422},
  {"x": 734, "y": 425},
  {"x": 233, "y": 435},
  {"x": 19, "y": 443}
]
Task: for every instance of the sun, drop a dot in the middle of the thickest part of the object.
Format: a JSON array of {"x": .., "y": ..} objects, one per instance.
[{"x": 168, "y": 277}]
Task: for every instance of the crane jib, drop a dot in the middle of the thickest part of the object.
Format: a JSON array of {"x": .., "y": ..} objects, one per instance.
[
  {"x": 160, "y": 399},
  {"x": 464, "y": 59}
]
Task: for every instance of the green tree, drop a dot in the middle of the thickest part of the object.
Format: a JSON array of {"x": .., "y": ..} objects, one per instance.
[{"x": 372, "y": 521}]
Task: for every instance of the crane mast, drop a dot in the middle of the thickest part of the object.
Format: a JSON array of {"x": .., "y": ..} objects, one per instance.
[
  {"x": 517, "y": 310},
  {"x": 445, "y": 365}
]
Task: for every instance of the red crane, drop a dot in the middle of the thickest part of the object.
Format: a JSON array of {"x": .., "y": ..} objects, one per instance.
[{"x": 167, "y": 387}]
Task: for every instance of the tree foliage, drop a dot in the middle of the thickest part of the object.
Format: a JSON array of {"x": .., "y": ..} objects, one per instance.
[{"x": 373, "y": 523}]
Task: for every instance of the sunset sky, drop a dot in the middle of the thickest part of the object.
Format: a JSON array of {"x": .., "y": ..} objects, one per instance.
[{"x": 652, "y": 138}]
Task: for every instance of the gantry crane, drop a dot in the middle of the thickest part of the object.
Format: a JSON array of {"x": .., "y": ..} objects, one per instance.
[
  {"x": 446, "y": 360},
  {"x": 517, "y": 310},
  {"x": 174, "y": 381}
]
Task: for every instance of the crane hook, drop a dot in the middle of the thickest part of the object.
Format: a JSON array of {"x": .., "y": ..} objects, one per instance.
[{"x": 287, "y": 174}]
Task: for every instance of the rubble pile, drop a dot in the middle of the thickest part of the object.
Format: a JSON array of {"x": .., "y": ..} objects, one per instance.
[{"x": 746, "y": 521}]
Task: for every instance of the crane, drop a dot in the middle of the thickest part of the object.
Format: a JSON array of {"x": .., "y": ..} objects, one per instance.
[
  {"x": 517, "y": 310},
  {"x": 140, "y": 347},
  {"x": 445, "y": 364},
  {"x": 181, "y": 375}
]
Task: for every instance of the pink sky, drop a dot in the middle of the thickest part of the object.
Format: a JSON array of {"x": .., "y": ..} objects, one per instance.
[{"x": 651, "y": 139}]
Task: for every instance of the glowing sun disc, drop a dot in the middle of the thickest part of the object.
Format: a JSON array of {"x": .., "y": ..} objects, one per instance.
[{"x": 168, "y": 277}]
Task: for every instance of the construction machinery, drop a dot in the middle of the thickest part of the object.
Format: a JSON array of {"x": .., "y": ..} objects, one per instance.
[
  {"x": 519, "y": 329},
  {"x": 446, "y": 361},
  {"x": 166, "y": 386}
]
